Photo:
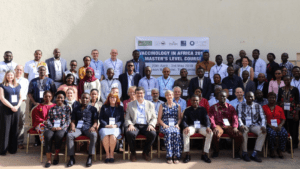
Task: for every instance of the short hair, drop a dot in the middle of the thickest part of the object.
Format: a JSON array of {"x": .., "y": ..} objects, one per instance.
[
  {"x": 295, "y": 67},
  {"x": 197, "y": 89},
  {"x": 131, "y": 87},
  {"x": 230, "y": 67},
  {"x": 47, "y": 91},
  {"x": 245, "y": 71},
  {"x": 256, "y": 50},
  {"x": 110, "y": 69},
  {"x": 94, "y": 50},
  {"x": 217, "y": 74},
  {"x": 87, "y": 57},
  {"x": 6, "y": 52},
  {"x": 177, "y": 87},
  {"x": 206, "y": 52},
  {"x": 84, "y": 94},
  {"x": 97, "y": 92},
  {"x": 246, "y": 57},
  {"x": 199, "y": 68},
  {"x": 271, "y": 94},
  {"x": 140, "y": 89},
  {"x": 282, "y": 67},
  {"x": 194, "y": 95},
  {"x": 183, "y": 69},
  {"x": 229, "y": 55},
  {"x": 41, "y": 67},
  {"x": 60, "y": 92},
  {"x": 168, "y": 92},
  {"x": 107, "y": 102},
  {"x": 73, "y": 61},
  {"x": 154, "y": 89},
  {"x": 272, "y": 54},
  {"x": 219, "y": 56},
  {"x": 69, "y": 75},
  {"x": 286, "y": 76},
  {"x": 135, "y": 51},
  {"x": 238, "y": 88},
  {"x": 129, "y": 62},
  {"x": 38, "y": 50}
]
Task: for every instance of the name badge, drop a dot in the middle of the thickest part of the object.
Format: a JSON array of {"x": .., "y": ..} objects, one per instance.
[
  {"x": 287, "y": 106},
  {"x": 226, "y": 122},
  {"x": 230, "y": 92},
  {"x": 165, "y": 89},
  {"x": 56, "y": 123},
  {"x": 148, "y": 92},
  {"x": 79, "y": 124},
  {"x": 184, "y": 92},
  {"x": 97, "y": 74},
  {"x": 141, "y": 120},
  {"x": 14, "y": 98},
  {"x": 87, "y": 91},
  {"x": 41, "y": 94},
  {"x": 206, "y": 74},
  {"x": 197, "y": 124},
  {"x": 171, "y": 122},
  {"x": 241, "y": 122},
  {"x": 248, "y": 121},
  {"x": 58, "y": 72},
  {"x": 274, "y": 122},
  {"x": 112, "y": 121}
]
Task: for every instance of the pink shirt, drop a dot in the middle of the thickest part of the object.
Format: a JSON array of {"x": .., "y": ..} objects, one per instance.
[{"x": 273, "y": 86}]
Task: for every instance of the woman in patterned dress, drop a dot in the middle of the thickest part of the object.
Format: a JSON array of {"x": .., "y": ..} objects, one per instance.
[{"x": 169, "y": 118}]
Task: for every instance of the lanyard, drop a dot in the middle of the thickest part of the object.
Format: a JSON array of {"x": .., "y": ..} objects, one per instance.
[
  {"x": 96, "y": 64},
  {"x": 148, "y": 81},
  {"x": 112, "y": 111},
  {"x": 58, "y": 65},
  {"x": 14, "y": 90},
  {"x": 109, "y": 85},
  {"x": 130, "y": 79},
  {"x": 9, "y": 68},
  {"x": 219, "y": 69},
  {"x": 114, "y": 65},
  {"x": 167, "y": 82},
  {"x": 136, "y": 65}
]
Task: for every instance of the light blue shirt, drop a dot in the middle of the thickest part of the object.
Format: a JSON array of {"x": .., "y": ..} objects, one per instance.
[
  {"x": 148, "y": 85},
  {"x": 136, "y": 66},
  {"x": 106, "y": 86},
  {"x": 260, "y": 67},
  {"x": 141, "y": 114},
  {"x": 213, "y": 101},
  {"x": 182, "y": 104},
  {"x": 130, "y": 79},
  {"x": 98, "y": 68},
  {"x": 260, "y": 86},
  {"x": 156, "y": 105},
  {"x": 116, "y": 65},
  {"x": 164, "y": 84},
  {"x": 235, "y": 102}
]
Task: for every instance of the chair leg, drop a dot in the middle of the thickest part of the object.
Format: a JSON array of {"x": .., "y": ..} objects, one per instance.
[
  {"x": 233, "y": 148},
  {"x": 128, "y": 152},
  {"x": 151, "y": 152},
  {"x": 66, "y": 152},
  {"x": 28, "y": 136},
  {"x": 124, "y": 145},
  {"x": 100, "y": 150},
  {"x": 291, "y": 142},
  {"x": 158, "y": 146},
  {"x": 267, "y": 148},
  {"x": 95, "y": 155},
  {"x": 42, "y": 149}
]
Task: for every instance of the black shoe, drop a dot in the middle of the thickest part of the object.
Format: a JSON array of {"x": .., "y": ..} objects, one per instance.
[
  {"x": 237, "y": 155},
  {"x": 47, "y": 165},
  {"x": 215, "y": 155},
  {"x": 107, "y": 160},
  {"x": 187, "y": 159},
  {"x": 89, "y": 161},
  {"x": 111, "y": 160},
  {"x": 55, "y": 162},
  {"x": 246, "y": 157},
  {"x": 255, "y": 158},
  {"x": 71, "y": 162},
  {"x": 205, "y": 158}
]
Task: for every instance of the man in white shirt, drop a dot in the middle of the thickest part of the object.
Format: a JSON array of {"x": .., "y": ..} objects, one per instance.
[
  {"x": 31, "y": 67},
  {"x": 114, "y": 63},
  {"x": 7, "y": 64},
  {"x": 24, "y": 90},
  {"x": 296, "y": 80},
  {"x": 259, "y": 65},
  {"x": 108, "y": 84},
  {"x": 219, "y": 68}
]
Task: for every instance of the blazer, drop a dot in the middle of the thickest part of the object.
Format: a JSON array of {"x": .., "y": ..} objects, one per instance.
[
  {"x": 142, "y": 66},
  {"x": 194, "y": 83},
  {"x": 131, "y": 113},
  {"x": 123, "y": 78},
  {"x": 51, "y": 67},
  {"x": 250, "y": 87},
  {"x": 105, "y": 114},
  {"x": 265, "y": 88}
]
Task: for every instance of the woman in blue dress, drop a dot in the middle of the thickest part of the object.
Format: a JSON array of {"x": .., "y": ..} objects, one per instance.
[
  {"x": 9, "y": 116},
  {"x": 169, "y": 118}
]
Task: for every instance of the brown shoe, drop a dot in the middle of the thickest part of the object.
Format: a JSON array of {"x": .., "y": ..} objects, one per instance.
[
  {"x": 20, "y": 146},
  {"x": 146, "y": 157},
  {"x": 133, "y": 158}
]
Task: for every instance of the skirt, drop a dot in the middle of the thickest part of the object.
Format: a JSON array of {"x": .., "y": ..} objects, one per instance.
[{"x": 109, "y": 131}]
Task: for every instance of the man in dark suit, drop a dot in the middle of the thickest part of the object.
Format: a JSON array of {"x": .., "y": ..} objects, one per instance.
[
  {"x": 203, "y": 82},
  {"x": 262, "y": 84},
  {"x": 56, "y": 67},
  {"x": 138, "y": 64},
  {"x": 249, "y": 85},
  {"x": 129, "y": 78}
]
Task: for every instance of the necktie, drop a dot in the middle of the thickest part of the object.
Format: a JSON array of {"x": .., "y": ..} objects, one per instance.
[{"x": 254, "y": 62}]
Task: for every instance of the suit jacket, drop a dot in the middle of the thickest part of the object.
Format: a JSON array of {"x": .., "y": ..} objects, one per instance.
[
  {"x": 194, "y": 83},
  {"x": 142, "y": 66},
  {"x": 51, "y": 67},
  {"x": 105, "y": 114},
  {"x": 123, "y": 78},
  {"x": 131, "y": 113},
  {"x": 250, "y": 87},
  {"x": 265, "y": 88}
]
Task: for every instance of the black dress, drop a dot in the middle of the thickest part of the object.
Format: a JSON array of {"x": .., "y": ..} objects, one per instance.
[{"x": 9, "y": 121}]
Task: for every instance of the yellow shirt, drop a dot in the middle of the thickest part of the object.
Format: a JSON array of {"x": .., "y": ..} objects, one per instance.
[{"x": 81, "y": 72}]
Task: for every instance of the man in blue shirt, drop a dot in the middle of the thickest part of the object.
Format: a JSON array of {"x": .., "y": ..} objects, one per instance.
[
  {"x": 165, "y": 83},
  {"x": 231, "y": 82},
  {"x": 177, "y": 93},
  {"x": 97, "y": 65},
  {"x": 148, "y": 83},
  {"x": 155, "y": 99},
  {"x": 239, "y": 93}
]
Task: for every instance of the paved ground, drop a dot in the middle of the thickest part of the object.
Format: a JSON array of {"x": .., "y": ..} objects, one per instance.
[{"x": 31, "y": 160}]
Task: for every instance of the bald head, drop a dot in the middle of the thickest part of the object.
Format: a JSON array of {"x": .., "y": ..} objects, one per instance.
[
  {"x": 261, "y": 77},
  {"x": 19, "y": 70},
  {"x": 166, "y": 72},
  {"x": 56, "y": 53},
  {"x": 239, "y": 93}
]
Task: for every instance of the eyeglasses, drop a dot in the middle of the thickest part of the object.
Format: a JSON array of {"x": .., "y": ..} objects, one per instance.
[{"x": 130, "y": 65}]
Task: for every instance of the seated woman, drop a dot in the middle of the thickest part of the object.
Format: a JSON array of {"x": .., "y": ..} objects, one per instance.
[
  {"x": 88, "y": 83},
  {"x": 58, "y": 121},
  {"x": 132, "y": 97},
  {"x": 70, "y": 83},
  {"x": 277, "y": 83},
  {"x": 202, "y": 101},
  {"x": 169, "y": 118},
  {"x": 39, "y": 114},
  {"x": 73, "y": 65},
  {"x": 70, "y": 100},
  {"x": 95, "y": 101},
  {"x": 111, "y": 120},
  {"x": 275, "y": 121}
]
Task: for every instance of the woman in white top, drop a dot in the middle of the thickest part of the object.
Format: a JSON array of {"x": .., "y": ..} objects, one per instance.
[
  {"x": 73, "y": 65},
  {"x": 95, "y": 101},
  {"x": 245, "y": 63},
  {"x": 88, "y": 83}
]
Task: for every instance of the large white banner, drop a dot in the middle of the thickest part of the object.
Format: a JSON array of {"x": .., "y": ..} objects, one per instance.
[{"x": 173, "y": 52}]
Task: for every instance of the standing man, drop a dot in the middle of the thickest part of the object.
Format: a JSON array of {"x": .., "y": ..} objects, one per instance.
[
  {"x": 203, "y": 82},
  {"x": 155, "y": 99},
  {"x": 262, "y": 84},
  {"x": 165, "y": 83},
  {"x": 183, "y": 82},
  {"x": 259, "y": 65},
  {"x": 224, "y": 119},
  {"x": 97, "y": 65},
  {"x": 84, "y": 122},
  {"x": 56, "y": 67},
  {"x": 239, "y": 93},
  {"x": 242, "y": 55},
  {"x": 220, "y": 68},
  {"x": 206, "y": 64},
  {"x": 114, "y": 63},
  {"x": 289, "y": 66},
  {"x": 108, "y": 84},
  {"x": 7, "y": 64},
  {"x": 252, "y": 119},
  {"x": 195, "y": 119},
  {"x": 24, "y": 90},
  {"x": 140, "y": 119},
  {"x": 177, "y": 93},
  {"x": 232, "y": 82},
  {"x": 139, "y": 65},
  {"x": 230, "y": 62},
  {"x": 86, "y": 64},
  {"x": 148, "y": 83},
  {"x": 31, "y": 67},
  {"x": 129, "y": 79},
  {"x": 296, "y": 80}
]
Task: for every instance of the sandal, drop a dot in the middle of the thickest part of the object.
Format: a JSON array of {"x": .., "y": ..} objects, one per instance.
[
  {"x": 169, "y": 160},
  {"x": 175, "y": 160}
]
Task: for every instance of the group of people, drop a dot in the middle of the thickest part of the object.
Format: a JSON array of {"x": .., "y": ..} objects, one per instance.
[{"x": 99, "y": 99}]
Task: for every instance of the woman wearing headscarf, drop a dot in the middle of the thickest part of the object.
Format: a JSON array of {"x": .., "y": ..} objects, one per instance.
[{"x": 88, "y": 83}]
